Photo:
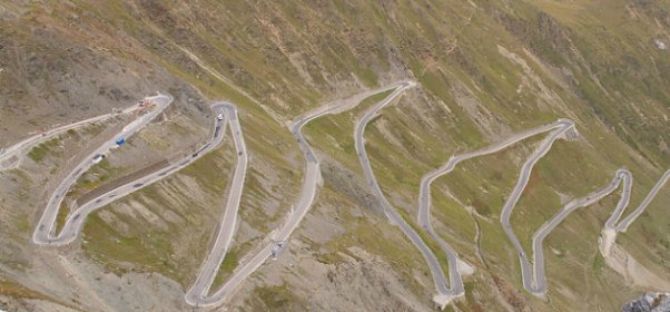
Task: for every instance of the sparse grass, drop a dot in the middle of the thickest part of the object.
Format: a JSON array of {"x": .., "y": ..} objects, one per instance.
[
  {"x": 340, "y": 129},
  {"x": 276, "y": 298},
  {"x": 330, "y": 258},
  {"x": 376, "y": 240},
  {"x": 96, "y": 176},
  {"x": 12, "y": 289},
  {"x": 15, "y": 290},
  {"x": 613, "y": 77},
  {"x": 39, "y": 152},
  {"x": 598, "y": 263},
  {"x": 377, "y": 237},
  {"x": 149, "y": 248},
  {"x": 23, "y": 224},
  {"x": 147, "y": 253},
  {"x": 333, "y": 134},
  {"x": 61, "y": 217},
  {"x": 230, "y": 263}
]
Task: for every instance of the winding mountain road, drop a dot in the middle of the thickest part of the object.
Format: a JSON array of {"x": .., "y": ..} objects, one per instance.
[
  {"x": 305, "y": 200},
  {"x": 539, "y": 276},
  {"x": 75, "y": 221},
  {"x": 613, "y": 226},
  {"x": 44, "y": 232},
  {"x": 443, "y": 296},
  {"x": 627, "y": 221},
  {"x": 528, "y": 283},
  {"x": 423, "y": 215},
  {"x": 197, "y": 295},
  {"x": 534, "y": 279},
  {"x": 533, "y": 276},
  {"x": 24, "y": 146}
]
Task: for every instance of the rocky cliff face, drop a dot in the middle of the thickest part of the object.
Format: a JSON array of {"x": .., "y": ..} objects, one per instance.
[{"x": 649, "y": 302}]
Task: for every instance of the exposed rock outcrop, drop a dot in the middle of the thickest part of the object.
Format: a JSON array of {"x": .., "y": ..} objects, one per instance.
[{"x": 649, "y": 302}]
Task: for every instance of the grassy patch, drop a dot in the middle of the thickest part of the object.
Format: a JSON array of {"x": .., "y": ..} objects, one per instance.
[
  {"x": 145, "y": 247},
  {"x": 11, "y": 289},
  {"x": 275, "y": 298},
  {"x": 147, "y": 253},
  {"x": 61, "y": 217},
  {"x": 377, "y": 237},
  {"x": 39, "y": 152},
  {"x": 598, "y": 263},
  {"x": 229, "y": 264},
  {"x": 330, "y": 258},
  {"x": 333, "y": 134}
]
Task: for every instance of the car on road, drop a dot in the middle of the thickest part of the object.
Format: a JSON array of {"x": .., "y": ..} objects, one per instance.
[
  {"x": 98, "y": 158},
  {"x": 120, "y": 141}
]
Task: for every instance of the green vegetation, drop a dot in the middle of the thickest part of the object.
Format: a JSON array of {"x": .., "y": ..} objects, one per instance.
[
  {"x": 175, "y": 248},
  {"x": 333, "y": 134},
  {"x": 598, "y": 263},
  {"x": 14, "y": 290},
  {"x": 40, "y": 151},
  {"x": 340, "y": 130},
  {"x": 231, "y": 261},
  {"x": 362, "y": 230},
  {"x": 333, "y": 257},
  {"x": 275, "y": 298},
  {"x": 61, "y": 217},
  {"x": 482, "y": 67},
  {"x": 148, "y": 253},
  {"x": 377, "y": 239},
  {"x": 95, "y": 177}
]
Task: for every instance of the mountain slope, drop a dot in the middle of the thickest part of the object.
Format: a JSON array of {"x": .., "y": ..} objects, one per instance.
[{"x": 485, "y": 69}]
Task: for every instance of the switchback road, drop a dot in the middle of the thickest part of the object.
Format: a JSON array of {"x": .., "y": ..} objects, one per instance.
[
  {"x": 562, "y": 129},
  {"x": 278, "y": 238},
  {"x": 423, "y": 216},
  {"x": 226, "y": 115},
  {"x": 19, "y": 149},
  {"x": 539, "y": 276},
  {"x": 443, "y": 295},
  {"x": 198, "y": 294},
  {"x": 44, "y": 232}
]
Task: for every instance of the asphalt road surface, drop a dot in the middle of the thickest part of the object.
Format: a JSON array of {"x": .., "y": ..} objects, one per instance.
[
  {"x": 24, "y": 146},
  {"x": 534, "y": 281},
  {"x": 539, "y": 276},
  {"x": 612, "y": 225},
  {"x": 44, "y": 232},
  {"x": 197, "y": 295},
  {"x": 278, "y": 238},
  {"x": 626, "y": 222},
  {"x": 627, "y": 180},
  {"x": 546, "y": 144},
  {"x": 443, "y": 295},
  {"x": 423, "y": 217},
  {"x": 75, "y": 221},
  {"x": 622, "y": 176}
]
